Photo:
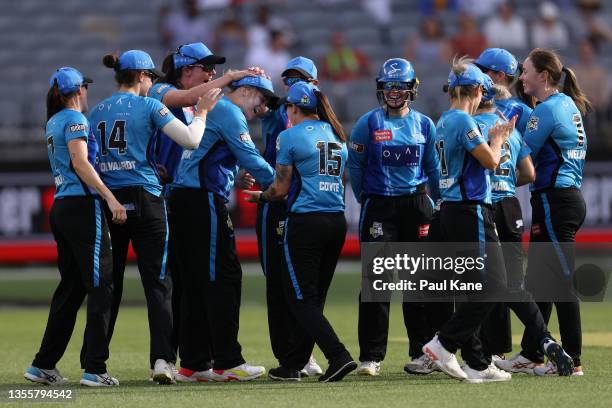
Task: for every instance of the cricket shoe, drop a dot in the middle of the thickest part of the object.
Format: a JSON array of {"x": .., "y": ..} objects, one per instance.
[
  {"x": 444, "y": 360},
  {"x": 337, "y": 370},
  {"x": 370, "y": 368},
  {"x": 517, "y": 364},
  {"x": 551, "y": 369},
  {"x": 162, "y": 372},
  {"x": 243, "y": 372},
  {"x": 186, "y": 375},
  {"x": 98, "y": 380},
  {"x": 41, "y": 376},
  {"x": 421, "y": 366},
  {"x": 284, "y": 374},
  {"x": 489, "y": 374},
  {"x": 311, "y": 368},
  {"x": 556, "y": 355}
]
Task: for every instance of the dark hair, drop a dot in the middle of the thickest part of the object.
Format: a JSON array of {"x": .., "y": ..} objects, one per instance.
[
  {"x": 171, "y": 74},
  {"x": 519, "y": 90},
  {"x": 326, "y": 114},
  {"x": 123, "y": 77},
  {"x": 56, "y": 101},
  {"x": 546, "y": 60}
]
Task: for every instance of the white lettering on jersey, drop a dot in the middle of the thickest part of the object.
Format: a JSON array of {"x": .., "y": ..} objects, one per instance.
[
  {"x": 327, "y": 186},
  {"x": 114, "y": 166}
]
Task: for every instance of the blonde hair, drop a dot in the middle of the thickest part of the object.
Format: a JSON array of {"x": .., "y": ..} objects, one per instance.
[
  {"x": 458, "y": 67},
  {"x": 500, "y": 91}
]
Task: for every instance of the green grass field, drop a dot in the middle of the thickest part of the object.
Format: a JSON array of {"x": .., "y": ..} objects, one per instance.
[{"x": 22, "y": 328}]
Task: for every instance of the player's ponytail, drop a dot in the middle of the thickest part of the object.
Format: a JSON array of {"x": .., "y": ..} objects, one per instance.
[
  {"x": 327, "y": 114},
  {"x": 549, "y": 61},
  {"x": 127, "y": 77},
  {"x": 56, "y": 101},
  {"x": 459, "y": 65},
  {"x": 171, "y": 75},
  {"x": 573, "y": 90}
]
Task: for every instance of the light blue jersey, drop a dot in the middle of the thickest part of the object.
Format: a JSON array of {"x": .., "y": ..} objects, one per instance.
[
  {"x": 391, "y": 156},
  {"x": 226, "y": 145},
  {"x": 558, "y": 143},
  {"x": 524, "y": 111},
  {"x": 125, "y": 126},
  {"x": 503, "y": 179},
  {"x": 318, "y": 158},
  {"x": 462, "y": 177},
  {"x": 64, "y": 126}
]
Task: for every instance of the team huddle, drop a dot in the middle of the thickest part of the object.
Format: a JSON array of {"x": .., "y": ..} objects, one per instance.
[{"x": 154, "y": 164}]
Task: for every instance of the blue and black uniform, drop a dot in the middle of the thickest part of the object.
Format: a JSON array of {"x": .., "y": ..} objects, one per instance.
[
  {"x": 84, "y": 255},
  {"x": 391, "y": 160},
  {"x": 204, "y": 236},
  {"x": 271, "y": 218},
  {"x": 314, "y": 234},
  {"x": 125, "y": 125},
  {"x": 557, "y": 139},
  {"x": 496, "y": 333}
]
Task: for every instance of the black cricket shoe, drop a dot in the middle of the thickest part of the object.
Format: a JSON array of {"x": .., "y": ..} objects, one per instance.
[
  {"x": 338, "y": 369},
  {"x": 556, "y": 354},
  {"x": 284, "y": 374}
]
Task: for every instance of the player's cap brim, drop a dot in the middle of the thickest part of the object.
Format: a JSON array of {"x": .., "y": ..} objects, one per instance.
[
  {"x": 87, "y": 80},
  {"x": 300, "y": 70},
  {"x": 212, "y": 60}
]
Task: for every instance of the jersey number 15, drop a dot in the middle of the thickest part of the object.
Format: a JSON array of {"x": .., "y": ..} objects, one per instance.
[{"x": 330, "y": 162}]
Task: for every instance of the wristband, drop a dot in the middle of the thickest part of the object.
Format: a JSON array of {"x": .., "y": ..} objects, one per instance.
[{"x": 261, "y": 198}]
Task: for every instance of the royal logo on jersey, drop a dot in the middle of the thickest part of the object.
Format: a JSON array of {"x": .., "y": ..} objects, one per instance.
[
  {"x": 245, "y": 137},
  {"x": 358, "y": 147},
  {"x": 383, "y": 135},
  {"x": 398, "y": 156},
  {"x": 423, "y": 230},
  {"x": 473, "y": 134},
  {"x": 163, "y": 112},
  {"x": 533, "y": 123},
  {"x": 376, "y": 230},
  {"x": 78, "y": 128}
]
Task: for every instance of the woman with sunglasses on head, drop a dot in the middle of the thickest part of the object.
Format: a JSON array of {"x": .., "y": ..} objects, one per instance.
[
  {"x": 557, "y": 139},
  {"x": 271, "y": 218},
  {"x": 125, "y": 125},
  {"x": 203, "y": 234},
  {"x": 80, "y": 229},
  {"x": 188, "y": 74},
  {"x": 310, "y": 161},
  {"x": 392, "y": 158}
]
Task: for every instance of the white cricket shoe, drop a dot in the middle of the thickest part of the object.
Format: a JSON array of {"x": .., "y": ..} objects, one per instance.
[
  {"x": 49, "y": 377},
  {"x": 517, "y": 364},
  {"x": 162, "y": 372},
  {"x": 311, "y": 368},
  {"x": 371, "y": 368},
  {"x": 243, "y": 372},
  {"x": 186, "y": 375},
  {"x": 445, "y": 360},
  {"x": 422, "y": 365},
  {"x": 551, "y": 369},
  {"x": 489, "y": 374},
  {"x": 98, "y": 380}
]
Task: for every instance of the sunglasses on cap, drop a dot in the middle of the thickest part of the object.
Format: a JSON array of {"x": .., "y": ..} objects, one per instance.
[
  {"x": 292, "y": 80},
  {"x": 396, "y": 86},
  {"x": 207, "y": 68}
]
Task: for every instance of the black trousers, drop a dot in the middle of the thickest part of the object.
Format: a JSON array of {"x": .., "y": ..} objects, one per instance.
[
  {"x": 557, "y": 215},
  {"x": 270, "y": 227},
  {"x": 177, "y": 287},
  {"x": 496, "y": 333},
  {"x": 312, "y": 246},
  {"x": 468, "y": 222},
  {"x": 84, "y": 259},
  {"x": 211, "y": 277},
  {"x": 393, "y": 219},
  {"x": 147, "y": 229}
]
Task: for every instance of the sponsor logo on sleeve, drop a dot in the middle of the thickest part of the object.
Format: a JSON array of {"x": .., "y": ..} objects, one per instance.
[
  {"x": 358, "y": 147},
  {"x": 383, "y": 135},
  {"x": 163, "y": 112},
  {"x": 245, "y": 137},
  {"x": 473, "y": 134},
  {"x": 533, "y": 123},
  {"x": 78, "y": 128}
]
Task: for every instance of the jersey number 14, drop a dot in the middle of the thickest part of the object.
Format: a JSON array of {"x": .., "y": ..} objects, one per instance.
[{"x": 116, "y": 139}]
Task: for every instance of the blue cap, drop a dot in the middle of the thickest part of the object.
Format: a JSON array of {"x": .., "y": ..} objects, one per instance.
[
  {"x": 489, "y": 92},
  {"x": 194, "y": 53},
  {"x": 135, "y": 59},
  {"x": 498, "y": 59},
  {"x": 396, "y": 70},
  {"x": 471, "y": 76},
  {"x": 68, "y": 80},
  {"x": 261, "y": 82},
  {"x": 303, "y": 65},
  {"x": 302, "y": 94}
]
